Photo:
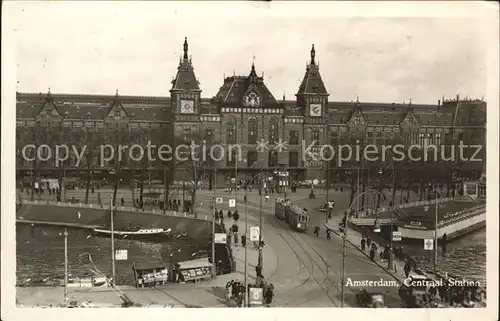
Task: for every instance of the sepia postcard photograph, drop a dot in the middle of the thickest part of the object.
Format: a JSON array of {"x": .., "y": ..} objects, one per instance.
[{"x": 250, "y": 154}]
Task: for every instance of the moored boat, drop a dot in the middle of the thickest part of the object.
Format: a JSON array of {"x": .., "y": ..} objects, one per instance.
[{"x": 147, "y": 233}]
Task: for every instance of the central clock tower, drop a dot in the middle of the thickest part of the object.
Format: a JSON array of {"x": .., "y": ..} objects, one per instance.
[
  {"x": 312, "y": 97},
  {"x": 185, "y": 94}
]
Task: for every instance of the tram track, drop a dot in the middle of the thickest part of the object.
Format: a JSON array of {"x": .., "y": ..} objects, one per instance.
[
  {"x": 313, "y": 258},
  {"x": 288, "y": 236}
]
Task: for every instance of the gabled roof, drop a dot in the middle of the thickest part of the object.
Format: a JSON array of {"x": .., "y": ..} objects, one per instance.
[
  {"x": 312, "y": 83},
  {"x": 357, "y": 113},
  {"x": 185, "y": 78},
  {"x": 95, "y": 107},
  {"x": 234, "y": 88},
  {"x": 409, "y": 117}
]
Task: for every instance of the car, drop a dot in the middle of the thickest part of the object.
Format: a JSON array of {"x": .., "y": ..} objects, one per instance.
[
  {"x": 370, "y": 300},
  {"x": 306, "y": 184},
  {"x": 326, "y": 205}
]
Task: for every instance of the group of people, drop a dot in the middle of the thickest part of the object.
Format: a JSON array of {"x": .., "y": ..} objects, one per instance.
[
  {"x": 328, "y": 232},
  {"x": 175, "y": 205},
  {"x": 235, "y": 290}
]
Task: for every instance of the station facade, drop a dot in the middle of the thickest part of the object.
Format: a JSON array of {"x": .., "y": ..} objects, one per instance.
[{"x": 244, "y": 112}]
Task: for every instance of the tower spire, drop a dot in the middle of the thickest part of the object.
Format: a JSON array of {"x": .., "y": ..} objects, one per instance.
[
  {"x": 313, "y": 55},
  {"x": 185, "y": 48}
]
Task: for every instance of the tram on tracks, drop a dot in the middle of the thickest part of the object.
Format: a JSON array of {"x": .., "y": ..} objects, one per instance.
[{"x": 296, "y": 217}]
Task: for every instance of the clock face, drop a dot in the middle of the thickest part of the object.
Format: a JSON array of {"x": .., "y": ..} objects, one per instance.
[
  {"x": 187, "y": 107},
  {"x": 252, "y": 100},
  {"x": 315, "y": 110}
]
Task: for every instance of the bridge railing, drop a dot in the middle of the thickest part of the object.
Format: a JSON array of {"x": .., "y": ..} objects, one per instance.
[
  {"x": 406, "y": 205},
  {"x": 117, "y": 208}
]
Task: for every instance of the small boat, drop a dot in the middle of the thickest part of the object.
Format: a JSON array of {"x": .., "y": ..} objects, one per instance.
[{"x": 141, "y": 233}]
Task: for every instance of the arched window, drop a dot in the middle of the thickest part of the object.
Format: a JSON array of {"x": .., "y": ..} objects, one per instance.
[
  {"x": 252, "y": 131},
  {"x": 187, "y": 135},
  {"x": 273, "y": 158},
  {"x": 293, "y": 159},
  {"x": 209, "y": 136},
  {"x": 231, "y": 131},
  {"x": 273, "y": 131},
  {"x": 315, "y": 136}
]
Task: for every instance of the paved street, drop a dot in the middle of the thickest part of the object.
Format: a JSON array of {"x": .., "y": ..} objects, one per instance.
[
  {"x": 306, "y": 270},
  {"x": 316, "y": 279}
]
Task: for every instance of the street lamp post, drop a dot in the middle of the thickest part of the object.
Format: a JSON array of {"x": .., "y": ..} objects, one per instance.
[
  {"x": 246, "y": 258},
  {"x": 65, "y": 264},
  {"x": 260, "y": 262},
  {"x": 436, "y": 234},
  {"x": 214, "y": 268},
  {"x": 112, "y": 239}
]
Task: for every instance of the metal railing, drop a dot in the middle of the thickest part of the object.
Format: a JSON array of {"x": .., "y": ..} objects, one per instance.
[{"x": 104, "y": 207}]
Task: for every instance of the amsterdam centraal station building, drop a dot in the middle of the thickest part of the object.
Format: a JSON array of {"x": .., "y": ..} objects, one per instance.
[{"x": 245, "y": 112}]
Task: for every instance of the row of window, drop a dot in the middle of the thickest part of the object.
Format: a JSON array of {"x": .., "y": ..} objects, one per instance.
[
  {"x": 94, "y": 124},
  {"x": 251, "y": 160}
]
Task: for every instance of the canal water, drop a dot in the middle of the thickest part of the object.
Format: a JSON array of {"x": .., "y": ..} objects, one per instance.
[
  {"x": 465, "y": 257},
  {"x": 40, "y": 253}
]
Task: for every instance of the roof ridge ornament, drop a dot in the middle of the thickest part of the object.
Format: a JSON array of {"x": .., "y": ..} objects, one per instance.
[
  {"x": 186, "y": 47},
  {"x": 313, "y": 55}
]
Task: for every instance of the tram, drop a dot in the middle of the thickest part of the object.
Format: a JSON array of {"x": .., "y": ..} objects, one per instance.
[{"x": 296, "y": 217}]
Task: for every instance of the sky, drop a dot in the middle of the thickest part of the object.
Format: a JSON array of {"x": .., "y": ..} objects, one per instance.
[{"x": 98, "y": 48}]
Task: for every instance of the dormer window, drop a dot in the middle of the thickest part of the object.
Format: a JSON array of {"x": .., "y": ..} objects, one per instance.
[
  {"x": 117, "y": 115},
  {"x": 49, "y": 111}
]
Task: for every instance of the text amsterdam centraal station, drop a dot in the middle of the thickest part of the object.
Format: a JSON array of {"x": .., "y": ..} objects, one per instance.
[{"x": 244, "y": 112}]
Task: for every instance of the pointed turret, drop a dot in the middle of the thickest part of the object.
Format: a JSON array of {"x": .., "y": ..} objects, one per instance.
[
  {"x": 312, "y": 96},
  {"x": 313, "y": 55},
  {"x": 185, "y": 78},
  {"x": 312, "y": 84},
  {"x": 253, "y": 74}
]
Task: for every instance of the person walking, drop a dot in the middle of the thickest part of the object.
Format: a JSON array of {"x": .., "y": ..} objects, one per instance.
[
  {"x": 363, "y": 244},
  {"x": 407, "y": 269},
  {"x": 316, "y": 230},
  {"x": 243, "y": 240},
  {"x": 372, "y": 254},
  {"x": 328, "y": 234}
]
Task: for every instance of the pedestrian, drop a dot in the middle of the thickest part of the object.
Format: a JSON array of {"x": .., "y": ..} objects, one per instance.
[
  {"x": 229, "y": 214},
  {"x": 407, "y": 269},
  {"x": 328, "y": 234},
  {"x": 432, "y": 292},
  {"x": 372, "y": 254},
  {"x": 368, "y": 242},
  {"x": 243, "y": 240},
  {"x": 269, "y": 295},
  {"x": 122, "y": 201},
  {"x": 258, "y": 271},
  {"x": 316, "y": 230},
  {"x": 363, "y": 244},
  {"x": 236, "y": 239}
]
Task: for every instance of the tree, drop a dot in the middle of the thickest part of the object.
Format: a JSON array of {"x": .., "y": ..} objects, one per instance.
[
  {"x": 192, "y": 162},
  {"x": 93, "y": 140}
]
